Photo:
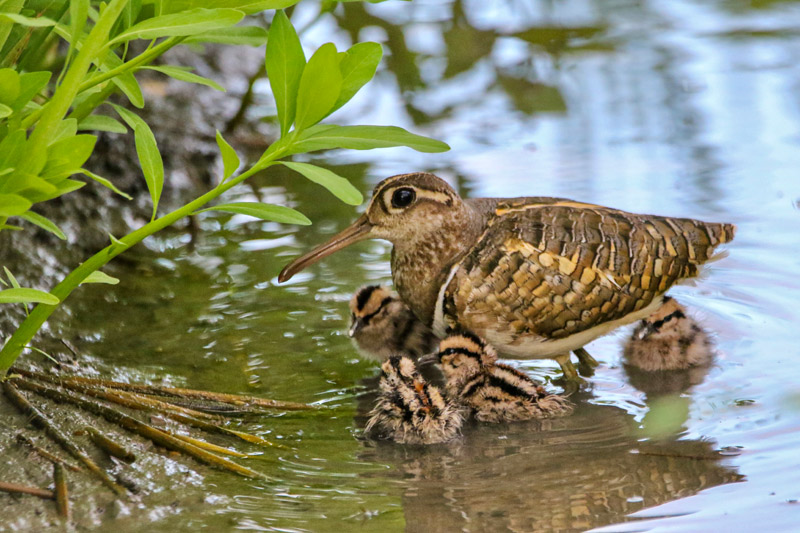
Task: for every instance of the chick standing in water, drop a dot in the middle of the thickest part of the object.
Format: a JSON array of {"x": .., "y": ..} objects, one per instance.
[
  {"x": 382, "y": 325},
  {"x": 668, "y": 340},
  {"x": 409, "y": 410},
  {"x": 494, "y": 392}
]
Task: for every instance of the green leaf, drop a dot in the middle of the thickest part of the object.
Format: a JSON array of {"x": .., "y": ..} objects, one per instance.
[
  {"x": 8, "y": 6},
  {"x": 66, "y": 128},
  {"x": 78, "y": 12},
  {"x": 102, "y": 123},
  {"x": 182, "y": 74},
  {"x": 9, "y": 86},
  {"x": 11, "y": 278},
  {"x": 5, "y": 111},
  {"x": 275, "y": 213},
  {"x": 149, "y": 156},
  {"x": 67, "y": 156},
  {"x": 249, "y": 7},
  {"x": 28, "y": 185},
  {"x": 18, "y": 296},
  {"x": 364, "y": 138},
  {"x": 105, "y": 183},
  {"x": 230, "y": 161},
  {"x": 319, "y": 88},
  {"x": 12, "y": 148},
  {"x": 126, "y": 81},
  {"x": 30, "y": 84},
  {"x": 67, "y": 186},
  {"x": 340, "y": 187},
  {"x": 285, "y": 63},
  {"x": 13, "y": 205},
  {"x": 39, "y": 220},
  {"x": 239, "y": 35},
  {"x": 192, "y": 22},
  {"x": 358, "y": 66},
  {"x": 99, "y": 277},
  {"x": 38, "y": 22}
]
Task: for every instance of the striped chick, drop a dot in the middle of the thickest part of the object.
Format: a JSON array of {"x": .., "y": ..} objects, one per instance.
[
  {"x": 381, "y": 325},
  {"x": 494, "y": 392},
  {"x": 409, "y": 410}
]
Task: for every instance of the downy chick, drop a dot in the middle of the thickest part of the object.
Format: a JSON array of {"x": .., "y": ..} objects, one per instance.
[
  {"x": 409, "y": 410},
  {"x": 668, "y": 340},
  {"x": 493, "y": 391},
  {"x": 381, "y": 325}
]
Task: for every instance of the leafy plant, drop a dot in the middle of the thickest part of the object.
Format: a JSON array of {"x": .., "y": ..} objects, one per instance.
[{"x": 41, "y": 149}]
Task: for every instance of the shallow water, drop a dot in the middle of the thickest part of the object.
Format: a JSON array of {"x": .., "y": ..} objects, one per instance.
[{"x": 669, "y": 107}]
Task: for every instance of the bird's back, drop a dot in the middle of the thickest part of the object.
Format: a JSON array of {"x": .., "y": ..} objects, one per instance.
[{"x": 553, "y": 268}]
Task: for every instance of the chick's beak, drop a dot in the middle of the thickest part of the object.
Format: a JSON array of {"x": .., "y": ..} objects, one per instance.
[
  {"x": 355, "y": 327},
  {"x": 357, "y": 231},
  {"x": 428, "y": 359}
]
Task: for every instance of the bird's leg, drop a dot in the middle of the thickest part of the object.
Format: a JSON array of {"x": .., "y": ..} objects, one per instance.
[
  {"x": 572, "y": 381},
  {"x": 586, "y": 363}
]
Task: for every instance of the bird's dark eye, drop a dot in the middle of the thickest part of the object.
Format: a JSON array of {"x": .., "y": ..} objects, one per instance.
[{"x": 403, "y": 197}]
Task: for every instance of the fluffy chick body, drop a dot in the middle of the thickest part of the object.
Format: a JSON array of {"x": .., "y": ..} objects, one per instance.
[
  {"x": 494, "y": 392},
  {"x": 409, "y": 410},
  {"x": 668, "y": 340},
  {"x": 381, "y": 326}
]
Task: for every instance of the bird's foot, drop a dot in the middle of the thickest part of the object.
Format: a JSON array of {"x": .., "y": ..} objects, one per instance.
[
  {"x": 571, "y": 381},
  {"x": 586, "y": 363}
]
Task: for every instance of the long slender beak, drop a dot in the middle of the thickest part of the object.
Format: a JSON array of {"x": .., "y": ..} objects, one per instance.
[{"x": 357, "y": 231}]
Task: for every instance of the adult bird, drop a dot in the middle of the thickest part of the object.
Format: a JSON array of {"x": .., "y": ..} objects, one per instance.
[{"x": 536, "y": 277}]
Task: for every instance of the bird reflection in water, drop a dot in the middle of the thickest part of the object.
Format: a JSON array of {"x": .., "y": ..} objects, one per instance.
[{"x": 505, "y": 476}]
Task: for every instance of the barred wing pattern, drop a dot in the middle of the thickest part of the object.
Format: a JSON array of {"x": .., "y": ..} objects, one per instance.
[{"x": 560, "y": 267}]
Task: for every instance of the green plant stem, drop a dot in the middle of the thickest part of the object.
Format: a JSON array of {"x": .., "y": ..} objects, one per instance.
[
  {"x": 58, "y": 106},
  {"x": 143, "y": 58},
  {"x": 25, "y": 332}
]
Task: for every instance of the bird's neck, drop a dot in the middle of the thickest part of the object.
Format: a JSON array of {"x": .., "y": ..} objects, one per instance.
[{"x": 421, "y": 262}]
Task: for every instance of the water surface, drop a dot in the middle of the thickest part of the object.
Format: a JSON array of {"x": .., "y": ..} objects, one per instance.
[{"x": 671, "y": 107}]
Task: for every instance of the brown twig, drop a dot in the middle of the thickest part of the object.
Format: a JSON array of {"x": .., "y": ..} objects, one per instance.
[
  {"x": 40, "y": 420},
  {"x": 13, "y": 488},
  {"x": 62, "y": 493},
  {"x": 53, "y": 458},
  {"x": 158, "y": 436}
]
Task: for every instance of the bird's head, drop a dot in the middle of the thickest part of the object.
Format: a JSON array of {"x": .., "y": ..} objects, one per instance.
[{"x": 404, "y": 209}]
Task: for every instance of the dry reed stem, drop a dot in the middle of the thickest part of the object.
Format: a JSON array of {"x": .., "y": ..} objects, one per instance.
[
  {"x": 235, "y": 399},
  {"x": 158, "y": 436},
  {"x": 112, "y": 448},
  {"x": 14, "y": 488},
  {"x": 62, "y": 493},
  {"x": 41, "y": 421},
  {"x": 53, "y": 458}
]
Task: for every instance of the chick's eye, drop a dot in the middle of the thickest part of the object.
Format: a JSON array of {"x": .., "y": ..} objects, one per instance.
[{"x": 403, "y": 197}]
